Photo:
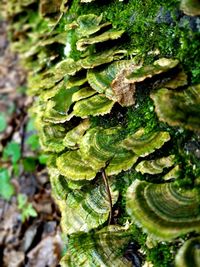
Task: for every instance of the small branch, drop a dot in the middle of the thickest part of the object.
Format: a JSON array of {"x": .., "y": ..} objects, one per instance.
[
  {"x": 23, "y": 133},
  {"x": 6, "y": 90},
  {"x": 55, "y": 25},
  {"x": 105, "y": 179}
]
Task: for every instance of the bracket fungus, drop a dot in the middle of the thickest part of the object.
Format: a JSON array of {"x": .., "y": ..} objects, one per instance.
[
  {"x": 190, "y": 7},
  {"x": 98, "y": 146},
  {"x": 179, "y": 108},
  {"x": 83, "y": 211},
  {"x": 51, "y": 137},
  {"x": 73, "y": 137},
  {"x": 95, "y": 105},
  {"x": 89, "y": 24},
  {"x": 56, "y": 110},
  {"x": 47, "y": 7},
  {"x": 59, "y": 183},
  {"x": 82, "y": 44},
  {"x": 159, "y": 66},
  {"x": 189, "y": 253},
  {"x": 155, "y": 166},
  {"x": 14, "y": 9},
  {"x": 174, "y": 173},
  {"x": 102, "y": 248},
  {"x": 122, "y": 161},
  {"x": 163, "y": 210},
  {"x": 71, "y": 165},
  {"x": 143, "y": 144}
]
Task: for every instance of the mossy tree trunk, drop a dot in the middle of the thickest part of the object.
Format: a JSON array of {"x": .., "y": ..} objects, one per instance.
[{"x": 116, "y": 87}]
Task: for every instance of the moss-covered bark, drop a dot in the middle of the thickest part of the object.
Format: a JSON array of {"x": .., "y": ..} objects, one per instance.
[{"x": 116, "y": 86}]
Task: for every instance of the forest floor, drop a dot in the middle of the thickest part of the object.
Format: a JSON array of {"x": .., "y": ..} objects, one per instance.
[{"x": 29, "y": 219}]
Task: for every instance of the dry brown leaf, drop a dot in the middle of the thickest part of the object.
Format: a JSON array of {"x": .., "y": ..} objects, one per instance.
[
  {"x": 14, "y": 258},
  {"x": 29, "y": 236},
  {"x": 10, "y": 225},
  {"x": 46, "y": 253},
  {"x": 123, "y": 90}
]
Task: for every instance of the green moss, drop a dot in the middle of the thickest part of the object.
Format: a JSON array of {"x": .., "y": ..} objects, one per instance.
[
  {"x": 186, "y": 148},
  {"x": 161, "y": 255},
  {"x": 151, "y": 25},
  {"x": 123, "y": 181},
  {"x": 142, "y": 115},
  {"x": 138, "y": 236}
]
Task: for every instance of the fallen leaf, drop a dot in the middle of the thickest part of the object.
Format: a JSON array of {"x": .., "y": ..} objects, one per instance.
[
  {"x": 14, "y": 258},
  {"x": 123, "y": 90},
  {"x": 46, "y": 253}
]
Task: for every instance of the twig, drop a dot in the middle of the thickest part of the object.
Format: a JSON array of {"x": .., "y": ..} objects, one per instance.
[
  {"x": 55, "y": 25},
  {"x": 7, "y": 90},
  {"x": 105, "y": 179},
  {"x": 23, "y": 133}
]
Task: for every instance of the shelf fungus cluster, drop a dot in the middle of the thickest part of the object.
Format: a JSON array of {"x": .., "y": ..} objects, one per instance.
[{"x": 81, "y": 74}]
